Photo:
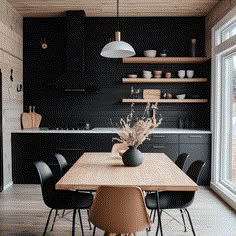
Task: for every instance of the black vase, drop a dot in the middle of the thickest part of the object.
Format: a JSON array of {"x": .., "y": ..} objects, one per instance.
[{"x": 132, "y": 157}]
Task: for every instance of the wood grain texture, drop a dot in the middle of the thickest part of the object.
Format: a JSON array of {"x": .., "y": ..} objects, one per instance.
[
  {"x": 162, "y": 60},
  {"x": 164, "y": 80},
  {"x": 23, "y": 213},
  {"x": 164, "y": 100},
  {"x": 157, "y": 172},
  {"x": 108, "y": 8}
]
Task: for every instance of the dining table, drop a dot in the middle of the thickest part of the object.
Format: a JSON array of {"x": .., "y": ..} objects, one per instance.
[{"x": 157, "y": 173}]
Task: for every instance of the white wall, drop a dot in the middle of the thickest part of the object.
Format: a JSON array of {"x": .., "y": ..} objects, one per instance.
[{"x": 11, "y": 57}]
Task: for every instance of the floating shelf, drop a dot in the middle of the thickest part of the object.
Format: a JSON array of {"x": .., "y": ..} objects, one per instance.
[
  {"x": 128, "y": 100},
  {"x": 163, "y": 60},
  {"x": 164, "y": 80}
]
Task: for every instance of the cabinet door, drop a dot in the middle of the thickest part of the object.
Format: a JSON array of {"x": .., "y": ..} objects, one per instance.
[
  {"x": 25, "y": 151},
  {"x": 170, "y": 149},
  {"x": 198, "y": 151}
]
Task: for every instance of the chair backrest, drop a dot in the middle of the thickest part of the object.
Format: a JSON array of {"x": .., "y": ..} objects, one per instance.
[
  {"x": 62, "y": 163},
  {"x": 195, "y": 169},
  {"x": 47, "y": 182},
  {"x": 181, "y": 160},
  {"x": 119, "y": 210}
]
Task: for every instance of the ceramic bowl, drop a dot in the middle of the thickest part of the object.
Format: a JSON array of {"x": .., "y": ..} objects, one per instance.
[
  {"x": 132, "y": 76},
  {"x": 150, "y": 53},
  {"x": 181, "y": 96}
]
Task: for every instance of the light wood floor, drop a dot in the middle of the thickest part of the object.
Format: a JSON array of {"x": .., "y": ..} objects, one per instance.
[{"x": 23, "y": 213}]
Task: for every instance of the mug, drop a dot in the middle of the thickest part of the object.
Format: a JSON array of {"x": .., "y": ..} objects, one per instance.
[
  {"x": 181, "y": 73},
  {"x": 190, "y": 73}
]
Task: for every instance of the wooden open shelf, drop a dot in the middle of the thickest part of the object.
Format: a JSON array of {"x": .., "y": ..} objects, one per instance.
[
  {"x": 128, "y": 100},
  {"x": 163, "y": 60},
  {"x": 163, "y": 80}
]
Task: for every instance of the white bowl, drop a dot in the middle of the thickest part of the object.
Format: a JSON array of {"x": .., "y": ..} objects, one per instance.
[
  {"x": 150, "y": 53},
  {"x": 181, "y": 74},
  {"x": 181, "y": 96},
  {"x": 147, "y": 76},
  {"x": 132, "y": 76}
]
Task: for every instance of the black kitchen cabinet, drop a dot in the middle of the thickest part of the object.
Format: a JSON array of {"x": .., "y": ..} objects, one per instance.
[
  {"x": 198, "y": 147},
  {"x": 28, "y": 148},
  {"x": 163, "y": 143}
]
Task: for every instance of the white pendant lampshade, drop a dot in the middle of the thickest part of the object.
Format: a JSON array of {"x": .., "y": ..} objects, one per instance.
[{"x": 117, "y": 49}]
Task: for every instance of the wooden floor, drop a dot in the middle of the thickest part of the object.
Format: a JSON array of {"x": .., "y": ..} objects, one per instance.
[{"x": 23, "y": 213}]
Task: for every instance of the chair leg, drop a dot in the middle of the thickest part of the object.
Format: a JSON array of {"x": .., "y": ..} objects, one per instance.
[
  {"x": 158, "y": 224},
  {"x": 46, "y": 226},
  {"x": 94, "y": 229},
  {"x": 63, "y": 213},
  {"x": 81, "y": 224},
  {"x": 54, "y": 219},
  {"x": 154, "y": 216},
  {"x": 90, "y": 227},
  {"x": 190, "y": 222},
  {"x": 73, "y": 222},
  {"x": 182, "y": 214}
]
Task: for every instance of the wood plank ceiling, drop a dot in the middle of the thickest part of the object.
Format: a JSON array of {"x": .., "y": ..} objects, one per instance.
[{"x": 43, "y": 8}]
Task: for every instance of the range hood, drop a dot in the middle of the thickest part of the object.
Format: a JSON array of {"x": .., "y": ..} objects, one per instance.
[{"x": 73, "y": 77}]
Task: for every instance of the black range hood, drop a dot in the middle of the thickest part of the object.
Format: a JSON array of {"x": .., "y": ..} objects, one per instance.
[{"x": 73, "y": 77}]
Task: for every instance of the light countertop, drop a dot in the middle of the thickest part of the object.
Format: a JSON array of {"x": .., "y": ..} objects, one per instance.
[{"x": 108, "y": 130}]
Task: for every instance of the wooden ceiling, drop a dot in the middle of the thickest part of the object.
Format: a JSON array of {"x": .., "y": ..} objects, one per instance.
[{"x": 43, "y": 8}]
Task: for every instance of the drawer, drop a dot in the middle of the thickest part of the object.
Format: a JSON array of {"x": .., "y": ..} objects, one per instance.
[
  {"x": 194, "y": 138},
  {"x": 163, "y": 138}
]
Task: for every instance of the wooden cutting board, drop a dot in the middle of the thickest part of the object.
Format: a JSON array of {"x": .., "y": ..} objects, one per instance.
[
  {"x": 31, "y": 119},
  {"x": 151, "y": 93}
]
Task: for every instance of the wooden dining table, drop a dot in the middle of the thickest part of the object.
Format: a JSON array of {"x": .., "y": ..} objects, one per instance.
[{"x": 157, "y": 173}]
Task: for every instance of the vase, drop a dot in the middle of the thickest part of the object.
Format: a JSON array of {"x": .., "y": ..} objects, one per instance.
[{"x": 132, "y": 157}]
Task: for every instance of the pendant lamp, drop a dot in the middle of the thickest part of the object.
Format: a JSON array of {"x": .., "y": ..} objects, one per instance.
[{"x": 117, "y": 48}]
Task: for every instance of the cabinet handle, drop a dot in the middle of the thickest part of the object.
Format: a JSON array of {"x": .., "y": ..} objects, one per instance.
[
  {"x": 195, "y": 136},
  {"x": 158, "y": 146},
  {"x": 158, "y": 136}
]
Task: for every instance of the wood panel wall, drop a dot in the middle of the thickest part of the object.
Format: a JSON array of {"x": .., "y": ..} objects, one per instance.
[
  {"x": 215, "y": 15},
  {"x": 11, "y": 57}
]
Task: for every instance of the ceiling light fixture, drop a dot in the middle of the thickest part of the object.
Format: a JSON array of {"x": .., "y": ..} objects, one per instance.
[{"x": 117, "y": 48}]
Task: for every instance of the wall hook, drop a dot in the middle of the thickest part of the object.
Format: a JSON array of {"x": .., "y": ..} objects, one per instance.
[
  {"x": 11, "y": 77},
  {"x": 19, "y": 87},
  {"x": 43, "y": 43}
]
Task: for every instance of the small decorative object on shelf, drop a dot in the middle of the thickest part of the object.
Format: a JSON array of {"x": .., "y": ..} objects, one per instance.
[
  {"x": 164, "y": 53},
  {"x": 190, "y": 73},
  {"x": 134, "y": 133},
  {"x": 168, "y": 74},
  {"x": 193, "y": 47}
]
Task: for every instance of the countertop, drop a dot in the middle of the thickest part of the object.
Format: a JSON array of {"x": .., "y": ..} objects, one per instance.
[{"x": 108, "y": 130}]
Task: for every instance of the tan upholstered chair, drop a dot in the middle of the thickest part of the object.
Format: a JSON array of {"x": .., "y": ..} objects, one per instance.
[{"x": 119, "y": 210}]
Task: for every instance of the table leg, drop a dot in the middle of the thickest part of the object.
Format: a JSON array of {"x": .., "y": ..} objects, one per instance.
[
  {"x": 74, "y": 215},
  {"x": 158, "y": 214}
]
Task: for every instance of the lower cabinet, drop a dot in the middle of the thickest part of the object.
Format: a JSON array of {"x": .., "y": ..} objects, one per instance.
[
  {"x": 199, "y": 148},
  {"x": 30, "y": 147}
]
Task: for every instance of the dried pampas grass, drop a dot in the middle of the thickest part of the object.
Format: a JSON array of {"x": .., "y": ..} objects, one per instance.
[{"x": 138, "y": 133}]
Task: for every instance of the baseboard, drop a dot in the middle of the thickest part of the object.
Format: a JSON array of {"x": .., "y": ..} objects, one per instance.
[{"x": 7, "y": 186}]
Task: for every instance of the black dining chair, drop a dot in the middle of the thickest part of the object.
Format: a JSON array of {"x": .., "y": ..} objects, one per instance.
[
  {"x": 177, "y": 199},
  {"x": 64, "y": 167},
  {"x": 181, "y": 159},
  {"x": 63, "y": 164},
  {"x": 61, "y": 199}
]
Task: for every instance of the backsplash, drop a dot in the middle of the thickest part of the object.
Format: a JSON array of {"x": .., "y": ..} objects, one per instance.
[{"x": 102, "y": 102}]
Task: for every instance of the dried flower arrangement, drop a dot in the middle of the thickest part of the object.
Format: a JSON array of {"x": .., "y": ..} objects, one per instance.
[{"x": 135, "y": 133}]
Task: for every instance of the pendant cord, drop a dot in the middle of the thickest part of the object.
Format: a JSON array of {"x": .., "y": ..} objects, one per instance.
[{"x": 118, "y": 23}]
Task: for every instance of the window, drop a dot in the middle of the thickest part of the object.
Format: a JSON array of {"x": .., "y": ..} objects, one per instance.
[{"x": 223, "y": 179}]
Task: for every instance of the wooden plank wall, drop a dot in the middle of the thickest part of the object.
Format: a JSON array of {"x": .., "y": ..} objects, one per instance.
[
  {"x": 11, "y": 57},
  {"x": 214, "y": 16}
]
